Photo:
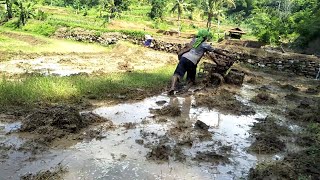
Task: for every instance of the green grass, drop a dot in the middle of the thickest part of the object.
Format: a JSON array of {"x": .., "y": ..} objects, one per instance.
[
  {"x": 66, "y": 17},
  {"x": 46, "y": 45},
  {"x": 135, "y": 10},
  {"x": 58, "y": 89}
]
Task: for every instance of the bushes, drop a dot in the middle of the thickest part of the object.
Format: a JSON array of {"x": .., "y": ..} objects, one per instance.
[
  {"x": 40, "y": 28},
  {"x": 12, "y": 24},
  {"x": 158, "y": 8}
]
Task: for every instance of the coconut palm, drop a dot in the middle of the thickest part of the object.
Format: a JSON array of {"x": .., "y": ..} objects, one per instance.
[
  {"x": 180, "y": 6},
  {"x": 213, "y": 9}
]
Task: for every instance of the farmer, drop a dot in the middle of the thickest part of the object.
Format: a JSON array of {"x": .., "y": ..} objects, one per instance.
[
  {"x": 189, "y": 60},
  {"x": 148, "y": 40}
]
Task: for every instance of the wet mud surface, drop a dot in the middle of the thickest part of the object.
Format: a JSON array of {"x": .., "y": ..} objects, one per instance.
[
  {"x": 121, "y": 58},
  {"x": 215, "y": 133}
]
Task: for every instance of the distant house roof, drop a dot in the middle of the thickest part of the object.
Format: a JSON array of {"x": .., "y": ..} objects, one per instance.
[{"x": 237, "y": 30}]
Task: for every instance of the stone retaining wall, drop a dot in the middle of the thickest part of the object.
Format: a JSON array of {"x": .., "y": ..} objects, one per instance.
[{"x": 300, "y": 64}]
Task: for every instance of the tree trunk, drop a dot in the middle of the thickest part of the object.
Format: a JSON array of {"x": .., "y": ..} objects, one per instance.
[
  {"x": 218, "y": 27},
  {"x": 179, "y": 24},
  {"x": 9, "y": 9},
  {"x": 209, "y": 21},
  {"x": 22, "y": 14}
]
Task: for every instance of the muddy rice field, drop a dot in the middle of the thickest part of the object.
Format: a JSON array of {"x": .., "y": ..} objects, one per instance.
[{"x": 268, "y": 128}]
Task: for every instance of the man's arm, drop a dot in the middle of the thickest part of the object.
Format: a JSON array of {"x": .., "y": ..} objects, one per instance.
[
  {"x": 218, "y": 51},
  {"x": 212, "y": 57}
]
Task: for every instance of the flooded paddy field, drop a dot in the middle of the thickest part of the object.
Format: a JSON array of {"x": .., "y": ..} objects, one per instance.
[{"x": 215, "y": 133}]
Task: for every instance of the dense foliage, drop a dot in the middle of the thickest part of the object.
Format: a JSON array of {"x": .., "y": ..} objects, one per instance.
[
  {"x": 281, "y": 21},
  {"x": 271, "y": 21}
]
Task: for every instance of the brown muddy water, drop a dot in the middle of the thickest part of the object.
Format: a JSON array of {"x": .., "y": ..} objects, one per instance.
[{"x": 127, "y": 151}]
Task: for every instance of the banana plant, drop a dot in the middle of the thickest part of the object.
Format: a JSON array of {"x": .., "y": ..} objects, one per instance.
[{"x": 24, "y": 9}]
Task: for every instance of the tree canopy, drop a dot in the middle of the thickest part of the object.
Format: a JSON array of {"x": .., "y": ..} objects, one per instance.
[{"x": 271, "y": 21}]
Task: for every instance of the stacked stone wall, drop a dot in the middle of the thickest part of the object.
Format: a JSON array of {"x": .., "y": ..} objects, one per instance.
[{"x": 304, "y": 65}]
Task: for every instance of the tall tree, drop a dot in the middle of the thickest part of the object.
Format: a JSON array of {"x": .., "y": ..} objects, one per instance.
[
  {"x": 102, "y": 6},
  {"x": 180, "y": 6},
  {"x": 214, "y": 9},
  {"x": 9, "y": 8}
]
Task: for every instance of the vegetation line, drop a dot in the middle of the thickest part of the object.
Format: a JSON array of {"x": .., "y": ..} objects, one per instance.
[{"x": 38, "y": 88}]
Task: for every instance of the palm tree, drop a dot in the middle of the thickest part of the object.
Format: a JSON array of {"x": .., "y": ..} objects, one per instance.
[
  {"x": 213, "y": 9},
  {"x": 180, "y": 6},
  {"x": 102, "y": 6}
]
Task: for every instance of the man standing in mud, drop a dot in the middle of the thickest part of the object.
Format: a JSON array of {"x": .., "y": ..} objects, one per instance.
[{"x": 189, "y": 60}]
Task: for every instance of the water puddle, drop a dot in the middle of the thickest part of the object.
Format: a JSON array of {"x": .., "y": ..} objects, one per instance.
[
  {"x": 45, "y": 66},
  {"x": 123, "y": 153},
  {"x": 135, "y": 113},
  {"x": 9, "y": 127}
]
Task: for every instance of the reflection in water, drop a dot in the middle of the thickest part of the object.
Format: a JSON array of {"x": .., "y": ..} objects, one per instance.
[{"x": 118, "y": 156}]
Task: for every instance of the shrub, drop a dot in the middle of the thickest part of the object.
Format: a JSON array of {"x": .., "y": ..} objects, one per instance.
[
  {"x": 40, "y": 15},
  {"x": 40, "y": 28},
  {"x": 158, "y": 7},
  {"x": 12, "y": 24}
]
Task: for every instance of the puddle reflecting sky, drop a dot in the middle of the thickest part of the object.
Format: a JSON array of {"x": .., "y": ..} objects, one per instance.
[{"x": 118, "y": 156}]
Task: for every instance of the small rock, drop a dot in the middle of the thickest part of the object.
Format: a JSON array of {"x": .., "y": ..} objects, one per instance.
[
  {"x": 201, "y": 125},
  {"x": 139, "y": 141},
  {"x": 161, "y": 103}
]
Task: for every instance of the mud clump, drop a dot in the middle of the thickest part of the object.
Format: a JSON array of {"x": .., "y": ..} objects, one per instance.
[
  {"x": 161, "y": 103},
  {"x": 293, "y": 97},
  {"x": 201, "y": 125},
  {"x": 225, "y": 101},
  {"x": 55, "y": 173},
  {"x": 267, "y": 143},
  {"x": 178, "y": 154},
  {"x": 306, "y": 112},
  {"x": 159, "y": 153},
  {"x": 169, "y": 110},
  {"x": 58, "y": 121},
  {"x": 4, "y": 150},
  {"x": 161, "y": 120},
  {"x": 211, "y": 157},
  {"x": 235, "y": 77},
  {"x": 36, "y": 146},
  {"x": 253, "y": 81},
  {"x": 270, "y": 125},
  {"x": 313, "y": 91},
  {"x": 139, "y": 141},
  {"x": 271, "y": 171},
  {"x": 310, "y": 136},
  {"x": 129, "y": 125},
  {"x": 289, "y": 87},
  {"x": 304, "y": 164},
  {"x": 267, "y": 132},
  {"x": 264, "y": 98}
]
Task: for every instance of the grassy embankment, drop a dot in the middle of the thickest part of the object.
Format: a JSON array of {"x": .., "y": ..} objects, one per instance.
[{"x": 60, "y": 89}]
